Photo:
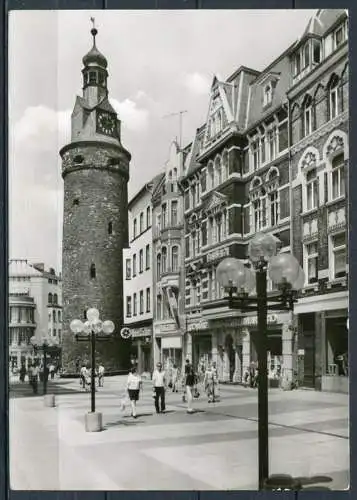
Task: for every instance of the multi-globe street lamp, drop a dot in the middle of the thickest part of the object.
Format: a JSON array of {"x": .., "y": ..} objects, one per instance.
[
  {"x": 46, "y": 344},
  {"x": 239, "y": 280},
  {"x": 92, "y": 330}
]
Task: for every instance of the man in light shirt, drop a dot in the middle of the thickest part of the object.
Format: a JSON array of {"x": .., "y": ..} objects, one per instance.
[{"x": 159, "y": 384}]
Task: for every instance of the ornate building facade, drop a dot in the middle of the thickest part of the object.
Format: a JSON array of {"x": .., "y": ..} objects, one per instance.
[
  {"x": 168, "y": 285},
  {"x": 95, "y": 171},
  {"x": 138, "y": 277},
  {"x": 272, "y": 157},
  {"x": 319, "y": 156},
  {"x": 35, "y": 308}
]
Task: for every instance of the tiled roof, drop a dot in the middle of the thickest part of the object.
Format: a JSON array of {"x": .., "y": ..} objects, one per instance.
[
  {"x": 256, "y": 110},
  {"x": 322, "y": 21}
]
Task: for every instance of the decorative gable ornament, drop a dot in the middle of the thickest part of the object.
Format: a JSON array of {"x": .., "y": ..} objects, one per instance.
[
  {"x": 309, "y": 160},
  {"x": 336, "y": 143},
  {"x": 216, "y": 200}
]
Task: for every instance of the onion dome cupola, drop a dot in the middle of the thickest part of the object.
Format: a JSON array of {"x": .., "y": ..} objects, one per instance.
[{"x": 94, "y": 72}]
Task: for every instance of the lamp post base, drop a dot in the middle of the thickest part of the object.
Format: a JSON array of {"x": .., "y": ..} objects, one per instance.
[
  {"x": 49, "y": 400},
  {"x": 93, "y": 422}
]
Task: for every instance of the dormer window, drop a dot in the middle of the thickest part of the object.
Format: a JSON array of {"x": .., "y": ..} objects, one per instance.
[
  {"x": 316, "y": 51},
  {"x": 268, "y": 94}
]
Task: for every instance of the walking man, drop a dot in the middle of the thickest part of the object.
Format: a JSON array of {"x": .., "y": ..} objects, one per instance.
[
  {"x": 190, "y": 381},
  {"x": 100, "y": 375},
  {"x": 159, "y": 384}
]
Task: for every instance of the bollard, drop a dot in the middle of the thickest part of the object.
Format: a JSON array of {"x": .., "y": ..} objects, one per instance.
[
  {"x": 281, "y": 482},
  {"x": 49, "y": 400},
  {"x": 93, "y": 422}
]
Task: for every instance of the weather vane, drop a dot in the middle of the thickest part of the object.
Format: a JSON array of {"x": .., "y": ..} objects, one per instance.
[{"x": 94, "y": 30}]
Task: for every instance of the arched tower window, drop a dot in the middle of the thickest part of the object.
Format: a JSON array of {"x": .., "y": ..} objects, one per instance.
[
  {"x": 333, "y": 97},
  {"x": 55, "y": 298},
  {"x": 110, "y": 227},
  {"x": 92, "y": 271},
  {"x": 50, "y": 298},
  {"x": 164, "y": 259}
]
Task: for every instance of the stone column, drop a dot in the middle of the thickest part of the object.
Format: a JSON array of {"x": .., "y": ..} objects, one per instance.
[
  {"x": 225, "y": 366},
  {"x": 246, "y": 348},
  {"x": 287, "y": 351},
  {"x": 237, "y": 376}
]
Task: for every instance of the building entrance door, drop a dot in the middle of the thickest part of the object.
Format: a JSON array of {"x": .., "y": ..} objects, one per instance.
[{"x": 308, "y": 341}]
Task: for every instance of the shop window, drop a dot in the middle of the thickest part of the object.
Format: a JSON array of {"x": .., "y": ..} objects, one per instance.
[
  {"x": 311, "y": 262},
  {"x": 339, "y": 255}
]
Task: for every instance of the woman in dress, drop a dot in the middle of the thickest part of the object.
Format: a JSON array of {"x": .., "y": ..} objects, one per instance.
[{"x": 133, "y": 386}]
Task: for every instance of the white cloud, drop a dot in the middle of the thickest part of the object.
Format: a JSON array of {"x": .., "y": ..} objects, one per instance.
[
  {"x": 43, "y": 125},
  {"x": 135, "y": 118},
  {"x": 197, "y": 83}
]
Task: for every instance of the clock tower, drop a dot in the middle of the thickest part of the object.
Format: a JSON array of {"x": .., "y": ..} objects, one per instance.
[{"x": 95, "y": 171}]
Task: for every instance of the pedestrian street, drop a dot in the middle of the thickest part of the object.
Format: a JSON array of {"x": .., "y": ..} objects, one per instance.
[{"x": 214, "y": 448}]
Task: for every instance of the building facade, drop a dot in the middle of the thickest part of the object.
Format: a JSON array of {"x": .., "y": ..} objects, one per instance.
[
  {"x": 35, "y": 308},
  {"x": 138, "y": 281},
  {"x": 318, "y": 104},
  {"x": 168, "y": 284},
  {"x": 272, "y": 157},
  {"x": 95, "y": 171}
]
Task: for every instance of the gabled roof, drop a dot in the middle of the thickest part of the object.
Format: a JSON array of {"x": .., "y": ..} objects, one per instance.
[
  {"x": 148, "y": 187},
  {"x": 322, "y": 21}
]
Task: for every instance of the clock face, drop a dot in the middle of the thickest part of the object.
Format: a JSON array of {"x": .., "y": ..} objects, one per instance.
[{"x": 106, "y": 123}]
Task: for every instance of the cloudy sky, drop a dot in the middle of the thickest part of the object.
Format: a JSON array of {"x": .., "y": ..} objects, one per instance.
[{"x": 160, "y": 62}]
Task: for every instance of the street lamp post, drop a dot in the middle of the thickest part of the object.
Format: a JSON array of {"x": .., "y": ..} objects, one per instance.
[
  {"x": 46, "y": 344},
  {"x": 238, "y": 279},
  {"x": 92, "y": 330}
]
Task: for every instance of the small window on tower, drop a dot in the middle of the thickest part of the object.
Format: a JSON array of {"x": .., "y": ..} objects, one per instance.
[
  {"x": 76, "y": 201},
  {"x": 78, "y": 159},
  {"x": 92, "y": 77},
  {"x": 110, "y": 228},
  {"x": 92, "y": 271},
  {"x": 101, "y": 78}
]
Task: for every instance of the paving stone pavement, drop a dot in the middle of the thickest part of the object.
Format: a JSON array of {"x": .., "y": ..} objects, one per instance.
[{"x": 213, "y": 449}]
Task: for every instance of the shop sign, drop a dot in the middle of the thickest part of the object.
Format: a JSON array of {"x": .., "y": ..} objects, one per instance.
[
  {"x": 253, "y": 320},
  {"x": 165, "y": 328},
  {"x": 218, "y": 254},
  {"x": 197, "y": 325},
  {"x": 140, "y": 332}
]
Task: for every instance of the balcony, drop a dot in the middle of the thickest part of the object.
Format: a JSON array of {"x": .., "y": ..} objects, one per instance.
[{"x": 170, "y": 278}]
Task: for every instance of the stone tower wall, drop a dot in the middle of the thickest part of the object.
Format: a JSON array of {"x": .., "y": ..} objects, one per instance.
[{"x": 95, "y": 194}]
